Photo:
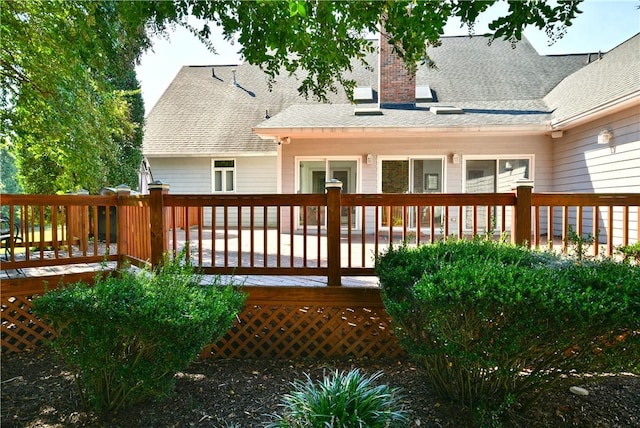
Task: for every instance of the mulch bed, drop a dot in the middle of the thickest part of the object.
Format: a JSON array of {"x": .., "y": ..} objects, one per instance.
[{"x": 38, "y": 391}]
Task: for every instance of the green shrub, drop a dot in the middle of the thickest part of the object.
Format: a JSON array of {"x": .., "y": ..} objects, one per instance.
[
  {"x": 342, "y": 400},
  {"x": 127, "y": 335},
  {"x": 495, "y": 325},
  {"x": 630, "y": 252}
]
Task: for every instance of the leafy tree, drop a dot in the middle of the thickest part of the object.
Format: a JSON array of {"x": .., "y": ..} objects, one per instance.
[
  {"x": 67, "y": 106},
  {"x": 8, "y": 171},
  {"x": 64, "y": 112},
  {"x": 322, "y": 38}
]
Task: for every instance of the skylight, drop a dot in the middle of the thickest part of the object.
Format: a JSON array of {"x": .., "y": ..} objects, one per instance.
[
  {"x": 367, "y": 111},
  {"x": 423, "y": 94},
  {"x": 446, "y": 110},
  {"x": 363, "y": 94}
]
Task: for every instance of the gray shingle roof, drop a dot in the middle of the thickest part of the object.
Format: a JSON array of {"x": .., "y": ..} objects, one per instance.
[
  {"x": 477, "y": 113},
  {"x": 201, "y": 115},
  {"x": 470, "y": 69},
  {"x": 604, "y": 80}
]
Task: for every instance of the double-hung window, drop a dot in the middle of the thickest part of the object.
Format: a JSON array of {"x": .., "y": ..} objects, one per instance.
[{"x": 224, "y": 174}]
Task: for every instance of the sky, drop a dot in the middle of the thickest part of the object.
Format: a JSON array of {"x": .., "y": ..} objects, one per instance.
[{"x": 603, "y": 25}]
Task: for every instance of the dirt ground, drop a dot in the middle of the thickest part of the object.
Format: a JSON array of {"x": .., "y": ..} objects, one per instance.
[{"x": 38, "y": 391}]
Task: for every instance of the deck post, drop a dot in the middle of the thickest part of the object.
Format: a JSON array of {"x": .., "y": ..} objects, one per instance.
[
  {"x": 157, "y": 190},
  {"x": 122, "y": 217},
  {"x": 334, "y": 189},
  {"x": 522, "y": 215}
]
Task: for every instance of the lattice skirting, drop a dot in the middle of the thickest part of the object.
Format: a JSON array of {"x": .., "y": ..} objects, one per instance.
[
  {"x": 277, "y": 322},
  {"x": 291, "y": 332},
  {"x": 21, "y": 329}
]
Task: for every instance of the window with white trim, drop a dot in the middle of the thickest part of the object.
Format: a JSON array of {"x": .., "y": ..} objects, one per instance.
[
  {"x": 312, "y": 176},
  {"x": 224, "y": 175},
  {"x": 419, "y": 174},
  {"x": 493, "y": 175}
]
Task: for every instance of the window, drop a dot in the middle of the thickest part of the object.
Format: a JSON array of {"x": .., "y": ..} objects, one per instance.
[
  {"x": 412, "y": 175},
  {"x": 495, "y": 175},
  {"x": 491, "y": 176},
  {"x": 312, "y": 175},
  {"x": 224, "y": 176}
]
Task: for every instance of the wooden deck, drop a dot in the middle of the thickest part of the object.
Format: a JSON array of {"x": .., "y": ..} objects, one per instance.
[
  {"x": 291, "y": 265},
  {"x": 251, "y": 280}
]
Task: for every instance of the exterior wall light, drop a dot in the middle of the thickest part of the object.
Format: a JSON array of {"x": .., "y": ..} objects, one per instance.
[{"x": 605, "y": 137}]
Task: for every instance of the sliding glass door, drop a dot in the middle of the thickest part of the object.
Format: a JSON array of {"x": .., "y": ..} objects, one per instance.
[
  {"x": 413, "y": 175},
  {"x": 312, "y": 175},
  {"x": 491, "y": 176}
]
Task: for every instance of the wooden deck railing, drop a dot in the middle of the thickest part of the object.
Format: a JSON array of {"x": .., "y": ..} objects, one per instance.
[
  {"x": 57, "y": 230},
  {"x": 337, "y": 235},
  {"x": 330, "y": 234}
]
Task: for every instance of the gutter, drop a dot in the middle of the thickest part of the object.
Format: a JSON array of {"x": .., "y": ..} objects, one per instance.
[
  {"x": 358, "y": 132},
  {"x": 209, "y": 155},
  {"x": 611, "y": 107}
]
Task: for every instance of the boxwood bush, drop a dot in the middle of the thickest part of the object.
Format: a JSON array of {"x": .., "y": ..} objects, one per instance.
[
  {"x": 128, "y": 334},
  {"x": 495, "y": 325}
]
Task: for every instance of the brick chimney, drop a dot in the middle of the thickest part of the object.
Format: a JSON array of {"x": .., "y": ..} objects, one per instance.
[{"x": 396, "y": 85}]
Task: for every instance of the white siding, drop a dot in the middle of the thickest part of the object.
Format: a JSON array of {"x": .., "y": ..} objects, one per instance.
[
  {"x": 581, "y": 165},
  {"x": 193, "y": 176},
  {"x": 256, "y": 174},
  {"x": 183, "y": 175}
]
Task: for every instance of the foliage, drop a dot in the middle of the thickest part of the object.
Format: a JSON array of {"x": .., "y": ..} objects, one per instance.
[
  {"x": 127, "y": 335},
  {"x": 8, "y": 182},
  {"x": 495, "y": 325},
  {"x": 580, "y": 243},
  {"x": 342, "y": 400},
  {"x": 70, "y": 106},
  {"x": 323, "y": 38},
  {"x": 630, "y": 252},
  {"x": 66, "y": 104}
]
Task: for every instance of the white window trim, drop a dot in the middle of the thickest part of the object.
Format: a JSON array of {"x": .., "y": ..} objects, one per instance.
[
  {"x": 498, "y": 158},
  {"x": 213, "y": 175},
  {"x": 442, "y": 158},
  {"x": 326, "y": 160},
  {"x": 445, "y": 178}
]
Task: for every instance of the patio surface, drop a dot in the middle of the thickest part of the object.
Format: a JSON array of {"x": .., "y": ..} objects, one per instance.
[{"x": 233, "y": 241}]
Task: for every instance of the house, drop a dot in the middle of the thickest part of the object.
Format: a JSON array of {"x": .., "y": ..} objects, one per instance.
[{"x": 485, "y": 118}]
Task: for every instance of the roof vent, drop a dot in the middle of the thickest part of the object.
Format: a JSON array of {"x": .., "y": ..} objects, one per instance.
[
  {"x": 235, "y": 82},
  {"x": 446, "y": 110},
  {"x": 423, "y": 94},
  {"x": 363, "y": 94},
  {"x": 213, "y": 74},
  {"x": 367, "y": 111}
]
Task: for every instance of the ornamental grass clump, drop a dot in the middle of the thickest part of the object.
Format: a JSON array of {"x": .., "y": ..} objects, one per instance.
[
  {"x": 126, "y": 336},
  {"x": 494, "y": 325},
  {"x": 341, "y": 400}
]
